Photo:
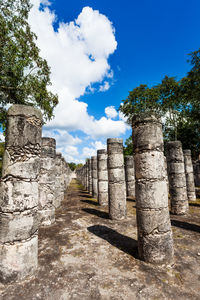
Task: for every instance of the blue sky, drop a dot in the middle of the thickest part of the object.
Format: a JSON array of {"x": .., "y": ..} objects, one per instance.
[{"x": 109, "y": 48}]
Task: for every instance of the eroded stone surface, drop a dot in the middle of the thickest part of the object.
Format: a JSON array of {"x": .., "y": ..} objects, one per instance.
[
  {"x": 47, "y": 178},
  {"x": 102, "y": 174},
  {"x": 19, "y": 194},
  {"x": 129, "y": 175},
  {"x": 59, "y": 181},
  {"x": 116, "y": 179},
  {"x": 94, "y": 177},
  {"x": 189, "y": 175},
  {"x": 86, "y": 256},
  {"x": 155, "y": 242},
  {"x": 177, "y": 179},
  {"x": 90, "y": 176}
]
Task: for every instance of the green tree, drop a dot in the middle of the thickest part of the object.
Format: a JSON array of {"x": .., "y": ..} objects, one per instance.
[
  {"x": 79, "y": 166},
  {"x": 140, "y": 99},
  {"x": 177, "y": 102},
  {"x": 128, "y": 149},
  {"x": 24, "y": 75},
  {"x": 170, "y": 105},
  {"x": 72, "y": 166}
]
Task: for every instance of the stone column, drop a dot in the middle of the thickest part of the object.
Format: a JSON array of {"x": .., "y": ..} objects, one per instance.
[
  {"x": 94, "y": 177},
  {"x": 189, "y": 175},
  {"x": 155, "y": 242},
  {"x": 19, "y": 194},
  {"x": 197, "y": 173},
  {"x": 116, "y": 179},
  {"x": 46, "y": 209},
  {"x": 177, "y": 180},
  {"x": 67, "y": 175},
  {"x": 90, "y": 175},
  {"x": 102, "y": 174},
  {"x": 130, "y": 176},
  {"x": 87, "y": 175},
  {"x": 59, "y": 182}
]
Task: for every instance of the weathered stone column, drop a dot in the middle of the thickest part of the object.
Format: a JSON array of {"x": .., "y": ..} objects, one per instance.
[
  {"x": 197, "y": 173},
  {"x": 102, "y": 174},
  {"x": 166, "y": 174},
  {"x": 46, "y": 209},
  {"x": 116, "y": 179},
  {"x": 189, "y": 175},
  {"x": 94, "y": 177},
  {"x": 177, "y": 180},
  {"x": 67, "y": 174},
  {"x": 19, "y": 194},
  {"x": 130, "y": 176},
  {"x": 59, "y": 182},
  {"x": 90, "y": 176},
  {"x": 86, "y": 175},
  {"x": 155, "y": 242}
]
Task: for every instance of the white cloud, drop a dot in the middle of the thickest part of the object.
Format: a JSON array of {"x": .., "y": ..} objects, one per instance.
[
  {"x": 62, "y": 136},
  {"x": 123, "y": 118},
  {"x": 98, "y": 145},
  {"x": 78, "y": 56},
  {"x": 104, "y": 87},
  {"x": 2, "y": 137},
  {"x": 106, "y": 128},
  {"x": 111, "y": 112},
  {"x": 77, "y": 53},
  {"x": 88, "y": 152},
  {"x": 92, "y": 151}
]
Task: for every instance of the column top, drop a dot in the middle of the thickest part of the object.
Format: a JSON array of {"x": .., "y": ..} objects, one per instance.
[
  {"x": 24, "y": 110},
  {"x": 187, "y": 152},
  {"x": 146, "y": 117},
  {"x": 101, "y": 151},
  {"x": 50, "y": 142},
  {"x": 59, "y": 154},
  {"x": 174, "y": 144},
  {"x": 114, "y": 140}
]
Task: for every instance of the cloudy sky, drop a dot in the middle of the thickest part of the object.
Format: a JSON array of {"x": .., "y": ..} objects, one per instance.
[{"x": 98, "y": 51}]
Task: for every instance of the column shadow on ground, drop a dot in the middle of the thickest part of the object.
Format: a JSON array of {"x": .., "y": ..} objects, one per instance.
[
  {"x": 130, "y": 199},
  {"x": 98, "y": 213},
  {"x": 186, "y": 225},
  {"x": 84, "y": 192},
  {"x": 194, "y": 204},
  {"x": 90, "y": 202},
  {"x": 120, "y": 241},
  {"x": 85, "y": 196}
]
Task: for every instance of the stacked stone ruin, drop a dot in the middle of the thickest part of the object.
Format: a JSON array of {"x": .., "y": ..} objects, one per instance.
[
  {"x": 129, "y": 175},
  {"x": 35, "y": 178},
  {"x": 19, "y": 194},
  {"x": 189, "y": 173},
  {"x": 102, "y": 176},
  {"x": 155, "y": 242},
  {"x": 94, "y": 177},
  {"x": 47, "y": 177},
  {"x": 28, "y": 191},
  {"x": 196, "y": 166},
  {"x": 147, "y": 176},
  {"x": 177, "y": 178},
  {"x": 116, "y": 179}
]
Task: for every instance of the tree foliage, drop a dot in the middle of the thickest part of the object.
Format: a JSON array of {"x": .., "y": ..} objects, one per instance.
[
  {"x": 74, "y": 166},
  {"x": 128, "y": 149},
  {"x": 24, "y": 75},
  {"x": 177, "y": 103}
]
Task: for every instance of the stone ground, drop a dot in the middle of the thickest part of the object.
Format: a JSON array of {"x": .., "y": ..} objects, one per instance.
[{"x": 84, "y": 256}]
